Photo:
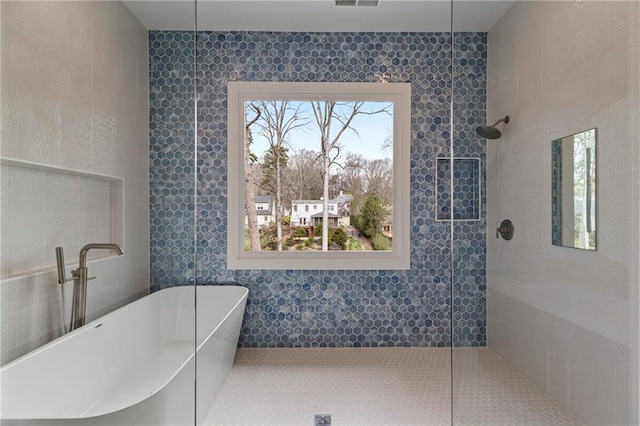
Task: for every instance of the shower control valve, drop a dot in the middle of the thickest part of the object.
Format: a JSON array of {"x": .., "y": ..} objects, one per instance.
[{"x": 506, "y": 230}]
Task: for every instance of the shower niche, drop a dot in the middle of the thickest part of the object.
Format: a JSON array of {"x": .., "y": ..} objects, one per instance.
[
  {"x": 573, "y": 191},
  {"x": 45, "y": 206},
  {"x": 464, "y": 203}
]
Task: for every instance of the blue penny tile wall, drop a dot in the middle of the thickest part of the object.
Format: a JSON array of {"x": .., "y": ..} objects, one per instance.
[
  {"x": 171, "y": 158},
  {"x": 469, "y": 238},
  {"x": 288, "y": 308},
  {"x": 466, "y": 189}
]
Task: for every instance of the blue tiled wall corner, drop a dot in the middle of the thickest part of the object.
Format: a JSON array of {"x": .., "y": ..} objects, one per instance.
[
  {"x": 324, "y": 308},
  {"x": 171, "y": 158}
]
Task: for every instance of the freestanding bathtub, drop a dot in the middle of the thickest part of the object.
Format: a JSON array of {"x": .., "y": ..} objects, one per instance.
[{"x": 134, "y": 366}]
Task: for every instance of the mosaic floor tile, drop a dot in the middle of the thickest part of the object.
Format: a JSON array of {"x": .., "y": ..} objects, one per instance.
[
  {"x": 488, "y": 391},
  {"x": 379, "y": 386}
]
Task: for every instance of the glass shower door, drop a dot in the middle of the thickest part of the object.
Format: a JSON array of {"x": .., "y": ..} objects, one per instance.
[
  {"x": 173, "y": 179},
  {"x": 462, "y": 185},
  {"x": 96, "y": 149},
  {"x": 377, "y": 316},
  {"x": 545, "y": 334}
]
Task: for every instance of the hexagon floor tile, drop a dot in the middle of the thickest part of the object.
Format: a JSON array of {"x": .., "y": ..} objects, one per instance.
[{"x": 380, "y": 386}]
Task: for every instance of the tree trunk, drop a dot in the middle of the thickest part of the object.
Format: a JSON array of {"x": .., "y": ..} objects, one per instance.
[
  {"x": 325, "y": 205},
  {"x": 252, "y": 214},
  {"x": 249, "y": 191},
  {"x": 278, "y": 201}
]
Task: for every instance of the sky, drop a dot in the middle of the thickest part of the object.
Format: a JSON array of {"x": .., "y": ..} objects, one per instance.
[{"x": 373, "y": 131}]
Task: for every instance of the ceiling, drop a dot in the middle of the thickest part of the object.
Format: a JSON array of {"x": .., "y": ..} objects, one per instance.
[{"x": 319, "y": 15}]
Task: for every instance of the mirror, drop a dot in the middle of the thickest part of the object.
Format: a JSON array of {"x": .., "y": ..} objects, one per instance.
[{"x": 573, "y": 195}]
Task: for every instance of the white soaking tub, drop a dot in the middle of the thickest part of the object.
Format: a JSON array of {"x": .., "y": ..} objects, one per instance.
[{"x": 134, "y": 366}]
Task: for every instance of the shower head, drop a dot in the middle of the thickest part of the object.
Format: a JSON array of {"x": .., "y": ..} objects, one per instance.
[{"x": 491, "y": 132}]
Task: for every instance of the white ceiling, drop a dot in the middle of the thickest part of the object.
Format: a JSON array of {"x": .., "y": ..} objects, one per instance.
[{"x": 319, "y": 15}]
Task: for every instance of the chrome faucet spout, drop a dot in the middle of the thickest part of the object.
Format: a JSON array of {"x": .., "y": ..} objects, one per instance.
[
  {"x": 104, "y": 246},
  {"x": 80, "y": 275}
]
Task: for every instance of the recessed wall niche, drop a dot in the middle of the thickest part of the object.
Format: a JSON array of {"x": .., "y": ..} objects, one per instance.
[
  {"x": 45, "y": 206},
  {"x": 466, "y": 189}
]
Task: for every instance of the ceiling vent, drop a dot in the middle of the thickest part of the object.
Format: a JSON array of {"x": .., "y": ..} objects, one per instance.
[{"x": 368, "y": 3}]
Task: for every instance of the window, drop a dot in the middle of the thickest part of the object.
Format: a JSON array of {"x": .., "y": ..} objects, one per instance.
[{"x": 357, "y": 109}]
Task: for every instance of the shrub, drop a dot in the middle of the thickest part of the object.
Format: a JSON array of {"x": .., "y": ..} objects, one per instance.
[
  {"x": 380, "y": 242},
  {"x": 268, "y": 240},
  {"x": 338, "y": 237},
  {"x": 371, "y": 217},
  {"x": 355, "y": 221},
  {"x": 300, "y": 232},
  {"x": 354, "y": 245}
]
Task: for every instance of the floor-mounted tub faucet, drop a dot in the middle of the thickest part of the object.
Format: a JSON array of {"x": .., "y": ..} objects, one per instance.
[{"x": 80, "y": 278}]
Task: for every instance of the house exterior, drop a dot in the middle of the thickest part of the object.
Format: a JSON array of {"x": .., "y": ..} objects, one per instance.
[
  {"x": 265, "y": 210},
  {"x": 344, "y": 207},
  {"x": 303, "y": 210},
  {"x": 387, "y": 224},
  {"x": 309, "y": 212},
  {"x": 316, "y": 219}
]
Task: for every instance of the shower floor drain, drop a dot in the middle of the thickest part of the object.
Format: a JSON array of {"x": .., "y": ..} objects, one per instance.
[{"x": 322, "y": 420}]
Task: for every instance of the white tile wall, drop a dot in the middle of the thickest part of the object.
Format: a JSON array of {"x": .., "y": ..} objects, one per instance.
[
  {"x": 566, "y": 318},
  {"x": 46, "y": 208},
  {"x": 74, "y": 95}
]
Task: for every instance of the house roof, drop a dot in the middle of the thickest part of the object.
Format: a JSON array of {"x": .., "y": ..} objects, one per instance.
[
  {"x": 345, "y": 198},
  {"x": 320, "y": 214},
  {"x": 307, "y": 201},
  {"x": 260, "y": 199}
]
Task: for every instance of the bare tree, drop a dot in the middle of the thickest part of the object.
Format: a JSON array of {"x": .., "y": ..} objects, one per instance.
[
  {"x": 268, "y": 168},
  {"x": 249, "y": 185},
  {"x": 303, "y": 176},
  {"x": 379, "y": 179},
  {"x": 352, "y": 178},
  {"x": 278, "y": 119},
  {"x": 365, "y": 177},
  {"x": 326, "y": 115}
]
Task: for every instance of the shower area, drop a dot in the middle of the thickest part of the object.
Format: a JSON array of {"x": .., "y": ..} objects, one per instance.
[{"x": 495, "y": 142}]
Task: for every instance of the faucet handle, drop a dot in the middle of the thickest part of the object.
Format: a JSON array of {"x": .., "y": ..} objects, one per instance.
[
  {"x": 76, "y": 275},
  {"x": 62, "y": 278}
]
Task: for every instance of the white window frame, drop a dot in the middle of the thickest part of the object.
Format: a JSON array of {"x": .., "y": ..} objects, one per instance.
[{"x": 396, "y": 259}]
